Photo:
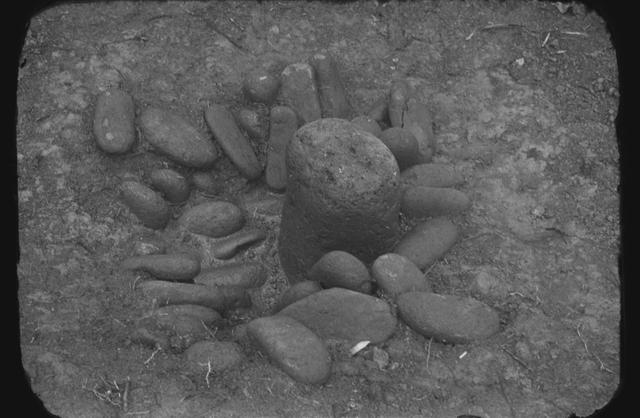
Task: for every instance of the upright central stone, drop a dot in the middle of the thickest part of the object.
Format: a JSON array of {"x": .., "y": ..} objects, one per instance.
[{"x": 342, "y": 194}]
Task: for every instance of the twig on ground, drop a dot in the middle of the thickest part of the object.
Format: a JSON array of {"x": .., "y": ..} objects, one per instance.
[
  {"x": 584, "y": 343},
  {"x": 212, "y": 333},
  {"x": 546, "y": 39},
  {"x": 137, "y": 413},
  {"x": 158, "y": 348},
  {"x": 428, "y": 353},
  {"x": 518, "y": 359},
  {"x": 125, "y": 395},
  {"x": 206, "y": 377},
  {"x": 569, "y": 32}
]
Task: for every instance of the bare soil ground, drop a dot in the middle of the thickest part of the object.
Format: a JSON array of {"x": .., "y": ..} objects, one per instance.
[{"x": 524, "y": 97}]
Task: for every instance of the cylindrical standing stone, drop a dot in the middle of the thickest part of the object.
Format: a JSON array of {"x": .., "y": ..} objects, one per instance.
[{"x": 342, "y": 194}]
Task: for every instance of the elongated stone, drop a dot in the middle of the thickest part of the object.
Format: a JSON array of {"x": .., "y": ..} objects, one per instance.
[
  {"x": 173, "y": 185},
  {"x": 396, "y": 275},
  {"x": 219, "y": 298},
  {"x": 177, "y": 138},
  {"x": 398, "y": 96},
  {"x": 367, "y": 124},
  {"x": 246, "y": 275},
  {"x": 292, "y": 347},
  {"x": 233, "y": 142},
  {"x": 180, "y": 267},
  {"x": 229, "y": 246},
  {"x": 341, "y": 269},
  {"x": 345, "y": 315},
  {"x": 114, "y": 122},
  {"x": 296, "y": 292},
  {"x": 428, "y": 241},
  {"x": 448, "y": 318},
  {"x": 432, "y": 175},
  {"x": 300, "y": 93},
  {"x": 423, "y": 202},
  {"x": 283, "y": 126},
  {"x": 333, "y": 96}
]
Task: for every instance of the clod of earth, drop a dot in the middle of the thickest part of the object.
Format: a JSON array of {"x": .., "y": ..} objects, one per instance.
[
  {"x": 283, "y": 126},
  {"x": 432, "y": 175}
]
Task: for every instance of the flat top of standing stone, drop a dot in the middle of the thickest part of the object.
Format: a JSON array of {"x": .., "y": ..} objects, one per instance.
[{"x": 342, "y": 157}]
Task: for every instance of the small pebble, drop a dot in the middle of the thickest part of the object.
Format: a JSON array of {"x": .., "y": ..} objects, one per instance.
[
  {"x": 148, "y": 206},
  {"x": 341, "y": 269},
  {"x": 283, "y": 126},
  {"x": 344, "y": 315},
  {"x": 294, "y": 348},
  {"x": 403, "y": 146},
  {"x": 245, "y": 275},
  {"x": 296, "y": 292},
  {"x": 233, "y": 142},
  {"x": 299, "y": 92},
  {"x": 180, "y": 267},
  {"x": 249, "y": 121},
  {"x": 229, "y": 246},
  {"x": 259, "y": 85},
  {"x": 367, "y": 124},
  {"x": 208, "y": 358},
  {"x": 424, "y": 202},
  {"x": 396, "y": 275},
  {"x": 177, "y": 138},
  {"x": 432, "y": 175},
  {"x": 219, "y": 298},
  {"x": 428, "y": 241},
  {"x": 173, "y": 185},
  {"x": 332, "y": 94},
  {"x": 448, "y": 318},
  {"x": 114, "y": 122},
  {"x": 214, "y": 219}
]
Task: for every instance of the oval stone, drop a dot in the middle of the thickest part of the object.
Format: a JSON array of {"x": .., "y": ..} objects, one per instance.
[
  {"x": 296, "y": 292},
  {"x": 173, "y": 185},
  {"x": 448, "y": 318},
  {"x": 402, "y": 144},
  {"x": 332, "y": 94},
  {"x": 343, "y": 314},
  {"x": 214, "y": 219},
  {"x": 341, "y": 269},
  {"x": 424, "y": 202},
  {"x": 148, "y": 206},
  {"x": 232, "y": 140},
  {"x": 283, "y": 126},
  {"x": 428, "y": 241},
  {"x": 300, "y": 93},
  {"x": 177, "y": 138},
  {"x": 396, "y": 275},
  {"x": 292, "y": 347},
  {"x": 219, "y": 298},
  {"x": 114, "y": 122},
  {"x": 249, "y": 121}
]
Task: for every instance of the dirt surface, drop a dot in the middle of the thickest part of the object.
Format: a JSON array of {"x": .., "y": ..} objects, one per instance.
[{"x": 524, "y": 98}]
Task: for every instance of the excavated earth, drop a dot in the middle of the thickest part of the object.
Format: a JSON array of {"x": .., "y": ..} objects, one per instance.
[{"x": 524, "y": 97}]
